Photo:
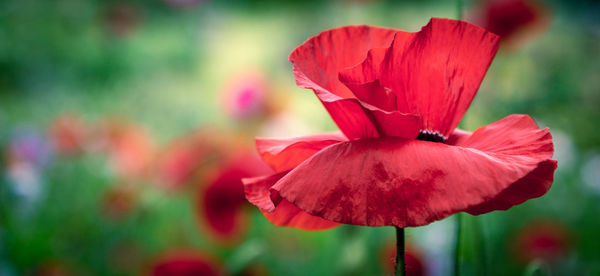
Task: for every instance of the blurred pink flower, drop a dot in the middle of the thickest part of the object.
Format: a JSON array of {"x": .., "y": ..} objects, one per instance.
[
  {"x": 28, "y": 146},
  {"x": 245, "y": 98}
]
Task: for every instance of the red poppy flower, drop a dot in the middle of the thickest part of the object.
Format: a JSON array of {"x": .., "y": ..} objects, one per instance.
[
  {"x": 185, "y": 263},
  {"x": 511, "y": 18},
  {"x": 397, "y": 97},
  {"x": 220, "y": 203},
  {"x": 546, "y": 240}
]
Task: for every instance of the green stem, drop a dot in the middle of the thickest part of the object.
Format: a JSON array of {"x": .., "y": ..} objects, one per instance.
[
  {"x": 400, "y": 262},
  {"x": 459, "y": 9}
]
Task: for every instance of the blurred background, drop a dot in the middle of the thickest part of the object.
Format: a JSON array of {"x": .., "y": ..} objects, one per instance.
[{"x": 125, "y": 127}]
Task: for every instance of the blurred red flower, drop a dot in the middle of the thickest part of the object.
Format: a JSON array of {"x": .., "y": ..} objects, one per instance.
[
  {"x": 68, "y": 134},
  {"x": 185, "y": 263},
  {"x": 220, "y": 202},
  {"x": 511, "y": 19},
  {"x": 397, "y": 97},
  {"x": 130, "y": 147},
  {"x": 547, "y": 240},
  {"x": 181, "y": 161}
]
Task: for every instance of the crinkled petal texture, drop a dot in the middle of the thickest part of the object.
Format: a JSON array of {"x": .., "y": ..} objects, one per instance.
[
  {"x": 377, "y": 82},
  {"x": 400, "y": 182},
  {"x": 284, "y": 155},
  {"x": 317, "y": 63},
  {"x": 434, "y": 73}
]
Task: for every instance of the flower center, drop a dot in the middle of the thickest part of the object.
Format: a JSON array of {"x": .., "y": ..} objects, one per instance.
[{"x": 431, "y": 136}]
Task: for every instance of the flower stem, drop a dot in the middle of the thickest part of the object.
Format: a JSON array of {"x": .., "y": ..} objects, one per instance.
[{"x": 400, "y": 263}]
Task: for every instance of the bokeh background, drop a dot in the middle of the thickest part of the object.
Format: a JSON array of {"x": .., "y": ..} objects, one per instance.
[{"x": 125, "y": 127}]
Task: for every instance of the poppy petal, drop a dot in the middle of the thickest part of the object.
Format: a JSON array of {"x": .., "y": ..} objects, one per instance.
[
  {"x": 434, "y": 73},
  {"x": 395, "y": 124},
  {"x": 363, "y": 78},
  {"x": 508, "y": 136},
  {"x": 374, "y": 93},
  {"x": 533, "y": 185},
  {"x": 287, "y": 214},
  {"x": 392, "y": 181},
  {"x": 286, "y": 154},
  {"x": 502, "y": 137},
  {"x": 257, "y": 190},
  {"x": 350, "y": 117},
  {"x": 318, "y": 61},
  {"x": 379, "y": 102},
  {"x": 279, "y": 211},
  {"x": 457, "y": 137}
]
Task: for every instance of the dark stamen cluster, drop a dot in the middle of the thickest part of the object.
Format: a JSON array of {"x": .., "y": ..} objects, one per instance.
[{"x": 431, "y": 136}]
